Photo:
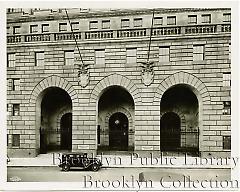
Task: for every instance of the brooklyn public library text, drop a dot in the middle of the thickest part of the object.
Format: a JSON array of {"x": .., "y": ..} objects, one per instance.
[{"x": 150, "y": 159}]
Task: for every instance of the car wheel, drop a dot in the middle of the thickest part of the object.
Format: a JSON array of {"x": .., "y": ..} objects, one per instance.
[
  {"x": 95, "y": 167},
  {"x": 65, "y": 167}
]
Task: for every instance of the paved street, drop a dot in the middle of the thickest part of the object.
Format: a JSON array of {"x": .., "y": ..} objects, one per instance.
[{"x": 54, "y": 174}]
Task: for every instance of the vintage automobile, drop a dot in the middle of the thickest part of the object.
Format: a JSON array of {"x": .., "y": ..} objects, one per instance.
[{"x": 81, "y": 160}]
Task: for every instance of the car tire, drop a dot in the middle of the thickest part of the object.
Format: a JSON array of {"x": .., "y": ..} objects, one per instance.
[
  {"x": 65, "y": 167},
  {"x": 95, "y": 167}
]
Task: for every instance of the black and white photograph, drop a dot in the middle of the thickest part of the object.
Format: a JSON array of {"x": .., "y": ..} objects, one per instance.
[{"x": 108, "y": 96}]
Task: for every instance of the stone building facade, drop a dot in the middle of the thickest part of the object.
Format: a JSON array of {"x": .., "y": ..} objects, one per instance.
[{"x": 107, "y": 88}]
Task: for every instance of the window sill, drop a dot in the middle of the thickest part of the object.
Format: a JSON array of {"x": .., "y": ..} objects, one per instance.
[
  {"x": 15, "y": 147},
  {"x": 226, "y": 150}
]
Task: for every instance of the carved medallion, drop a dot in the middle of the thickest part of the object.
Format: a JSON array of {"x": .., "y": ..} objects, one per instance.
[
  {"x": 147, "y": 73},
  {"x": 83, "y": 79},
  {"x": 83, "y": 73},
  {"x": 147, "y": 77}
]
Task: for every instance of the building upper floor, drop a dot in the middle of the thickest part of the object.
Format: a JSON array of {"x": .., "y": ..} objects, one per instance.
[{"x": 33, "y": 25}]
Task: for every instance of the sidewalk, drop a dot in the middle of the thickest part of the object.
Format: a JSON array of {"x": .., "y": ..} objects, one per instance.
[{"x": 118, "y": 161}]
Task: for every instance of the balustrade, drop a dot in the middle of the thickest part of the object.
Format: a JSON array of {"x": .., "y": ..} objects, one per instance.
[
  {"x": 14, "y": 39},
  {"x": 166, "y": 31},
  {"x": 200, "y": 29},
  {"x": 98, "y": 34},
  {"x": 131, "y": 33},
  {"x": 226, "y": 28},
  {"x": 122, "y": 33},
  {"x": 67, "y": 36},
  {"x": 37, "y": 37}
]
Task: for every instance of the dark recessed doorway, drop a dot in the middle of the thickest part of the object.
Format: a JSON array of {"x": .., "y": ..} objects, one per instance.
[
  {"x": 118, "y": 132},
  {"x": 170, "y": 131}
]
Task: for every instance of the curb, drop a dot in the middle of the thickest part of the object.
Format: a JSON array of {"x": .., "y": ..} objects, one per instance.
[
  {"x": 8, "y": 166},
  {"x": 127, "y": 167}
]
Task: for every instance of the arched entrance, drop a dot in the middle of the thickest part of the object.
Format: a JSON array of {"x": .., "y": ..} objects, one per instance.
[
  {"x": 66, "y": 131},
  {"x": 118, "y": 132},
  {"x": 53, "y": 101},
  {"x": 170, "y": 131},
  {"x": 115, "y": 120},
  {"x": 176, "y": 135}
]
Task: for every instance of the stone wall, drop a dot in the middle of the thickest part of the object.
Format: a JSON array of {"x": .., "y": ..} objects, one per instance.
[{"x": 205, "y": 77}]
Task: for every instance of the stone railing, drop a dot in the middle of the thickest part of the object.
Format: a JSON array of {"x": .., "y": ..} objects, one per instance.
[
  {"x": 166, "y": 31},
  {"x": 200, "y": 29},
  {"x": 14, "y": 39},
  {"x": 98, "y": 34},
  {"x": 37, "y": 37},
  {"x": 67, "y": 36},
  {"x": 131, "y": 33},
  {"x": 226, "y": 28},
  {"x": 122, "y": 33}
]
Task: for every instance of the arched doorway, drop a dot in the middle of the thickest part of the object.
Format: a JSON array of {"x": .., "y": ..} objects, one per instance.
[
  {"x": 118, "y": 132},
  {"x": 115, "y": 122},
  {"x": 66, "y": 131},
  {"x": 53, "y": 101},
  {"x": 176, "y": 135},
  {"x": 170, "y": 131}
]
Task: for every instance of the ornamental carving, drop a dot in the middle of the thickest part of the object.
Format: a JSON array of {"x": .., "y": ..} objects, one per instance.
[
  {"x": 83, "y": 74},
  {"x": 147, "y": 73}
]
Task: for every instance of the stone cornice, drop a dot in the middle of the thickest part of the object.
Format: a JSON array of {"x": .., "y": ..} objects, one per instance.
[{"x": 49, "y": 15}]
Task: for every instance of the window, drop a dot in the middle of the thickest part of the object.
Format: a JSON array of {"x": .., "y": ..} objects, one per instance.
[
  {"x": 13, "y": 10},
  {"x": 45, "y": 28},
  {"x": 192, "y": 19},
  {"x": 100, "y": 57},
  {"x": 226, "y": 79},
  {"x": 137, "y": 22},
  {"x": 15, "y": 140},
  {"x": 33, "y": 28},
  {"x": 93, "y": 25},
  {"x": 16, "y": 109},
  {"x": 16, "y": 30},
  {"x": 15, "y": 84},
  {"x": 106, "y": 24},
  {"x": 171, "y": 20},
  {"x": 7, "y": 139},
  {"x": 62, "y": 27},
  {"x": 11, "y": 60},
  {"x": 39, "y": 58},
  {"x": 226, "y": 142},
  {"x": 125, "y": 23},
  {"x": 157, "y": 21},
  {"x": 198, "y": 52},
  {"x": 206, "y": 18},
  {"x": 75, "y": 26},
  {"x": 164, "y": 54},
  {"x": 226, "y": 107},
  {"x": 131, "y": 55},
  {"x": 226, "y": 17},
  {"x": 68, "y": 57}
]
